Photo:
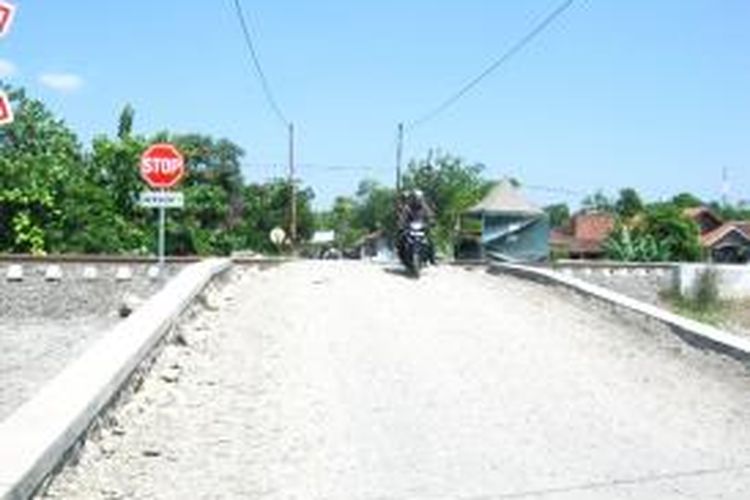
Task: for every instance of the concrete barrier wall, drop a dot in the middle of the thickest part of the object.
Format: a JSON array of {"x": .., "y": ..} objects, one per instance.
[
  {"x": 733, "y": 281},
  {"x": 36, "y": 438},
  {"x": 641, "y": 281},
  {"x": 645, "y": 282}
]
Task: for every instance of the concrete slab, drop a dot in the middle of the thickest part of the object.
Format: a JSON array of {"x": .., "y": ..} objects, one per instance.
[
  {"x": 53, "y": 273},
  {"x": 15, "y": 273}
]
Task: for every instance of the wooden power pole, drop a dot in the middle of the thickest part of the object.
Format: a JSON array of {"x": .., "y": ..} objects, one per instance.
[
  {"x": 293, "y": 185},
  {"x": 399, "y": 155}
]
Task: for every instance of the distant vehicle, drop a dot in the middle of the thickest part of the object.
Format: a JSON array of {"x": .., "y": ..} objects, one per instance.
[
  {"x": 414, "y": 247},
  {"x": 331, "y": 254}
]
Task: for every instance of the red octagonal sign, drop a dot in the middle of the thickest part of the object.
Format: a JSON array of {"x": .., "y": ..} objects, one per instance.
[
  {"x": 7, "y": 11},
  {"x": 6, "y": 112},
  {"x": 162, "y": 166}
]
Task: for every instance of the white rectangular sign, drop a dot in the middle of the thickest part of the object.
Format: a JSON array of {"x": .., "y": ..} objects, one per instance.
[{"x": 158, "y": 199}]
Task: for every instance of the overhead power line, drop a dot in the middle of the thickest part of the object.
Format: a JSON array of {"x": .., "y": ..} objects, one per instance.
[
  {"x": 514, "y": 49},
  {"x": 554, "y": 190},
  {"x": 319, "y": 167},
  {"x": 256, "y": 63}
]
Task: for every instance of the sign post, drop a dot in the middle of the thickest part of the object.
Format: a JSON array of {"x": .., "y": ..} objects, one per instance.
[
  {"x": 162, "y": 234},
  {"x": 7, "y": 13},
  {"x": 162, "y": 167}
]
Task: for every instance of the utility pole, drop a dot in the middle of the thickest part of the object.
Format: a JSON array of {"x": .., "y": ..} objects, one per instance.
[
  {"x": 399, "y": 155},
  {"x": 293, "y": 224}
]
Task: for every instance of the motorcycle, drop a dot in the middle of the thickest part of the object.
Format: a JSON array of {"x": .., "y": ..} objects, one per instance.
[{"x": 414, "y": 247}]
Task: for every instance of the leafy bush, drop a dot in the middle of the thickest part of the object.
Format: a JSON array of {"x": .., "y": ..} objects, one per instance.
[
  {"x": 627, "y": 245},
  {"x": 679, "y": 234},
  {"x": 661, "y": 233}
]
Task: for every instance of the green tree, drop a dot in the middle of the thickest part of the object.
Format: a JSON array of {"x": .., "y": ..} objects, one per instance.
[
  {"x": 686, "y": 200},
  {"x": 267, "y": 206},
  {"x": 633, "y": 245},
  {"x": 598, "y": 202},
  {"x": 629, "y": 203},
  {"x": 679, "y": 234},
  {"x": 451, "y": 185},
  {"x": 730, "y": 212},
  {"x": 344, "y": 221},
  {"x": 559, "y": 214},
  {"x": 212, "y": 219},
  {"x": 114, "y": 166},
  {"x": 40, "y": 158},
  {"x": 375, "y": 208},
  {"x": 125, "y": 125}
]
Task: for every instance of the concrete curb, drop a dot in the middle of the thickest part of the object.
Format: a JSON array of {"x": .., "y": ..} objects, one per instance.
[
  {"x": 36, "y": 438},
  {"x": 693, "y": 332}
]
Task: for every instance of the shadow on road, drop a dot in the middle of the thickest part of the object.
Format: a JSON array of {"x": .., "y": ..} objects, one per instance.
[{"x": 399, "y": 271}]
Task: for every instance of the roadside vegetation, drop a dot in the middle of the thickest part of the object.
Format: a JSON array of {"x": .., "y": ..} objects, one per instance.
[
  {"x": 649, "y": 232},
  {"x": 450, "y": 184},
  {"x": 704, "y": 304},
  {"x": 58, "y": 195}
]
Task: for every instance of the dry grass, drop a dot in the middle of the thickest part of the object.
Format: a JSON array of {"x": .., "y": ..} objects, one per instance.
[{"x": 738, "y": 316}]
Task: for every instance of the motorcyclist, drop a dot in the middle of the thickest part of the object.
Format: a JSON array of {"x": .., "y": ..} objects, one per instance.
[{"x": 413, "y": 207}]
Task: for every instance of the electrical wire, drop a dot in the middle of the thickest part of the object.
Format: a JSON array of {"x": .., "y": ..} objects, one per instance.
[
  {"x": 318, "y": 167},
  {"x": 554, "y": 190},
  {"x": 514, "y": 49},
  {"x": 256, "y": 63}
]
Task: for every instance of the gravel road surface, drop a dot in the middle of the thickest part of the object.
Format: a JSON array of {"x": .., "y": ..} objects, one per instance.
[
  {"x": 338, "y": 380},
  {"x": 33, "y": 352},
  {"x": 46, "y": 325}
]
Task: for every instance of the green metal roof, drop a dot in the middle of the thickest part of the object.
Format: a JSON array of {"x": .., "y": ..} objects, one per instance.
[{"x": 504, "y": 198}]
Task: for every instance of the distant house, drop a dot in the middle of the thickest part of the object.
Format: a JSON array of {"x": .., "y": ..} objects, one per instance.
[
  {"x": 584, "y": 236},
  {"x": 504, "y": 226},
  {"x": 706, "y": 219},
  {"x": 725, "y": 242}
]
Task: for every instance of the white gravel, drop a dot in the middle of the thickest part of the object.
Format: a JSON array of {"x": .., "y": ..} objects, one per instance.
[
  {"x": 335, "y": 380},
  {"x": 32, "y": 352}
]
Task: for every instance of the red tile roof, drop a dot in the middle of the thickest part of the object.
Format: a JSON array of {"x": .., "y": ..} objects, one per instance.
[
  {"x": 593, "y": 226},
  {"x": 706, "y": 219},
  {"x": 712, "y": 237},
  {"x": 585, "y": 235},
  {"x": 742, "y": 225}
]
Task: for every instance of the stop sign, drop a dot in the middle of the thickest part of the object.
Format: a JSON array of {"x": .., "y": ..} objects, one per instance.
[
  {"x": 162, "y": 166},
  {"x": 6, "y": 112},
  {"x": 6, "y": 17}
]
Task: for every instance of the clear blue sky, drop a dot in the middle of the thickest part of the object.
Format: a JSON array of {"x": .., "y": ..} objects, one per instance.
[{"x": 649, "y": 94}]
